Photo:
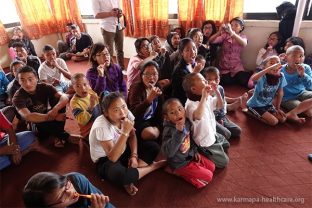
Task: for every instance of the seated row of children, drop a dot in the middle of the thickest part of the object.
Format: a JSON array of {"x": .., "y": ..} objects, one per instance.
[{"x": 130, "y": 160}]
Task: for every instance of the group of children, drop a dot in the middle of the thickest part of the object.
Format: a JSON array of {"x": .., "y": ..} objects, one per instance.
[{"x": 123, "y": 123}]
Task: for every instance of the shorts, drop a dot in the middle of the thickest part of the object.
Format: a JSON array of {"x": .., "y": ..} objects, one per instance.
[
  {"x": 291, "y": 104},
  {"x": 259, "y": 111}
]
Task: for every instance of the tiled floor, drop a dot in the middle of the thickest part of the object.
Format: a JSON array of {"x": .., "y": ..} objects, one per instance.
[{"x": 268, "y": 168}]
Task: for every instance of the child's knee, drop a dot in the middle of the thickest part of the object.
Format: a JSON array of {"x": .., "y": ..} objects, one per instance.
[
  {"x": 222, "y": 163},
  {"x": 272, "y": 121},
  {"x": 150, "y": 133}
]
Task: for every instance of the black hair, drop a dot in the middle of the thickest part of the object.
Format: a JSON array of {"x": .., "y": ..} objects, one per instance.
[
  {"x": 153, "y": 37},
  {"x": 188, "y": 83},
  {"x": 278, "y": 46},
  {"x": 147, "y": 64},
  {"x": 191, "y": 33},
  {"x": 168, "y": 102},
  {"x": 108, "y": 98},
  {"x": 169, "y": 37},
  {"x": 74, "y": 27},
  {"x": 77, "y": 76},
  {"x": 210, "y": 69},
  {"x": 47, "y": 48},
  {"x": 14, "y": 63},
  {"x": 200, "y": 57},
  {"x": 178, "y": 27},
  {"x": 241, "y": 22},
  {"x": 213, "y": 25},
  {"x": 96, "y": 48},
  {"x": 183, "y": 43},
  {"x": 138, "y": 42},
  {"x": 296, "y": 41},
  {"x": 26, "y": 69},
  {"x": 39, "y": 185},
  {"x": 18, "y": 44}
]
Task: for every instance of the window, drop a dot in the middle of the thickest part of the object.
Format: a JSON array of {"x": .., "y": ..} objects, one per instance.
[
  {"x": 266, "y": 9},
  {"x": 85, "y": 8},
  {"x": 8, "y": 14}
]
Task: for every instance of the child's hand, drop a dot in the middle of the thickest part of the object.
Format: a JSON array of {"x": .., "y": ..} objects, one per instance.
[
  {"x": 206, "y": 92},
  {"x": 17, "y": 157},
  {"x": 10, "y": 149},
  {"x": 180, "y": 125},
  {"x": 93, "y": 99},
  {"x": 198, "y": 67},
  {"x": 300, "y": 70},
  {"x": 282, "y": 56},
  {"x": 101, "y": 68},
  {"x": 162, "y": 51},
  {"x": 197, "y": 157},
  {"x": 153, "y": 54},
  {"x": 127, "y": 126},
  {"x": 155, "y": 92},
  {"x": 98, "y": 200},
  {"x": 133, "y": 162},
  {"x": 55, "y": 81},
  {"x": 214, "y": 86}
]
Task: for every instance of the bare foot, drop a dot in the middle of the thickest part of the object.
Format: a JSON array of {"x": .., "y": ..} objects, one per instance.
[
  {"x": 234, "y": 106},
  {"x": 131, "y": 189},
  {"x": 159, "y": 164},
  {"x": 294, "y": 117},
  {"x": 169, "y": 170},
  {"x": 243, "y": 101}
]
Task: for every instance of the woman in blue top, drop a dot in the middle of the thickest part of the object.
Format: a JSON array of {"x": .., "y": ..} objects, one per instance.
[
  {"x": 270, "y": 83},
  {"x": 47, "y": 189}
]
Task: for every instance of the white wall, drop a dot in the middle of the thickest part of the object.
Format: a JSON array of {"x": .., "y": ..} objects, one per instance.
[{"x": 257, "y": 32}]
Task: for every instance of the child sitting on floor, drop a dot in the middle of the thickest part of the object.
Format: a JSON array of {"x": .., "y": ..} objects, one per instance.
[
  {"x": 180, "y": 149},
  {"x": 85, "y": 103},
  {"x": 199, "y": 109},
  {"x": 270, "y": 83},
  {"x": 297, "y": 93},
  {"x": 224, "y": 125}
]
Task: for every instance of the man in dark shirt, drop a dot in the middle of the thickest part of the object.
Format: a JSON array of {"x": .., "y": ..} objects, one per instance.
[
  {"x": 32, "y": 102},
  {"x": 80, "y": 45},
  {"x": 22, "y": 55}
]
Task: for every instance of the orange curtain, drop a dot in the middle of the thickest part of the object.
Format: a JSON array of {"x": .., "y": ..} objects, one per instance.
[
  {"x": 127, "y": 11},
  {"x": 223, "y": 10},
  {"x": 4, "y": 38},
  {"x": 36, "y": 18},
  {"x": 66, "y": 11},
  {"x": 190, "y": 13},
  {"x": 150, "y": 18}
]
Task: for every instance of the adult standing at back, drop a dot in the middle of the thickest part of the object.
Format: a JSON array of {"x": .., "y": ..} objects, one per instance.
[{"x": 112, "y": 30}]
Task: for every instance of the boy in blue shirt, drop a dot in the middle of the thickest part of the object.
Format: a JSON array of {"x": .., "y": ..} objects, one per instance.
[{"x": 297, "y": 97}]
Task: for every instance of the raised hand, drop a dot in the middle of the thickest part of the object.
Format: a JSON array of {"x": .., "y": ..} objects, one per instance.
[
  {"x": 154, "y": 93},
  {"x": 101, "y": 68},
  {"x": 98, "y": 200},
  {"x": 300, "y": 70},
  {"x": 127, "y": 126},
  {"x": 198, "y": 67}
]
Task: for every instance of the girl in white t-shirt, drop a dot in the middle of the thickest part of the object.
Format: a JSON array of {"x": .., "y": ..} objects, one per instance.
[{"x": 113, "y": 145}]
